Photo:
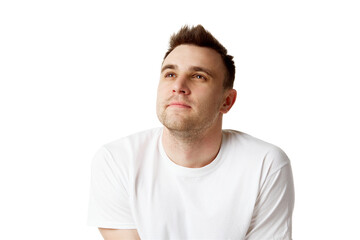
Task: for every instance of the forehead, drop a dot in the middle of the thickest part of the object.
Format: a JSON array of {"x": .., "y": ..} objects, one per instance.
[{"x": 189, "y": 56}]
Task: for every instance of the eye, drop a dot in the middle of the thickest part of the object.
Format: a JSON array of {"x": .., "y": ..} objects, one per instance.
[
  {"x": 169, "y": 75},
  {"x": 199, "y": 76}
]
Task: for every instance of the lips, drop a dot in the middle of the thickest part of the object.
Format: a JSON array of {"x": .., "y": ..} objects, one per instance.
[{"x": 179, "y": 105}]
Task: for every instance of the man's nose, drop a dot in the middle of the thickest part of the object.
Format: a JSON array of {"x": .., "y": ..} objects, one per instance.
[{"x": 180, "y": 85}]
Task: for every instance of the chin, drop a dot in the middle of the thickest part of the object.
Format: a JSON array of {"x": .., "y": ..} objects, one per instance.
[{"x": 176, "y": 125}]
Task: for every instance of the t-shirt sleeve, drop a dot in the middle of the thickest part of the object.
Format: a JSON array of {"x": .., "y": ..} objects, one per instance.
[
  {"x": 109, "y": 205},
  {"x": 272, "y": 217}
]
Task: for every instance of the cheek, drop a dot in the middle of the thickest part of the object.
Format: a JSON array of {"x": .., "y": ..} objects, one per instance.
[
  {"x": 160, "y": 90},
  {"x": 209, "y": 95},
  {"x": 162, "y": 94},
  {"x": 163, "y": 88},
  {"x": 213, "y": 101}
]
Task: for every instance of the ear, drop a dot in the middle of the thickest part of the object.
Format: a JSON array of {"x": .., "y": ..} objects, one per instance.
[{"x": 229, "y": 100}]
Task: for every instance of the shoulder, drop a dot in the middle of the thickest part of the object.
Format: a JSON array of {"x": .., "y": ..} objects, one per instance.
[
  {"x": 136, "y": 140},
  {"x": 237, "y": 137},
  {"x": 259, "y": 152},
  {"x": 126, "y": 148}
]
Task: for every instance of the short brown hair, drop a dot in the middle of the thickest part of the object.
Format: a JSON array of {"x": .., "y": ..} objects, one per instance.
[{"x": 199, "y": 36}]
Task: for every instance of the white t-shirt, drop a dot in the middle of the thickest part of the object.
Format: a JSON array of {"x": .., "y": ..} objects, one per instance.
[{"x": 246, "y": 192}]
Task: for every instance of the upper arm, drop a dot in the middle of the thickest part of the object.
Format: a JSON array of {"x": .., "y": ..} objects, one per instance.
[
  {"x": 109, "y": 205},
  {"x": 272, "y": 216},
  {"x": 119, "y": 234}
]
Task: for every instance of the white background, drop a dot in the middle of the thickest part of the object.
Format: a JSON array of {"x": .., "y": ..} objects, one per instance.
[{"x": 78, "y": 74}]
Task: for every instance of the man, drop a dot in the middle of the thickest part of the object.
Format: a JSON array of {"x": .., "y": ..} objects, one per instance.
[{"x": 191, "y": 179}]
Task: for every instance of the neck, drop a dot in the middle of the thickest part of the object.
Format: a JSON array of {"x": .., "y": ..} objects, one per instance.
[{"x": 193, "y": 149}]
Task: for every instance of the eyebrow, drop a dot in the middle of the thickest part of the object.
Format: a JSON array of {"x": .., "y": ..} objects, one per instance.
[
  {"x": 201, "y": 69},
  {"x": 193, "y": 68},
  {"x": 168, "y": 66}
]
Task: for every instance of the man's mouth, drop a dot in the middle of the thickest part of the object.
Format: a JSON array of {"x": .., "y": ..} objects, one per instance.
[{"x": 178, "y": 105}]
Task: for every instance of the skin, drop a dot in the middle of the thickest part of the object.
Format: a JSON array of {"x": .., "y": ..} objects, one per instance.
[
  {"x": 119, "y": 234},
  {"x": 191, "y": 102}
]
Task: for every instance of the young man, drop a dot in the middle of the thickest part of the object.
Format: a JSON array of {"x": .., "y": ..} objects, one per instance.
[{"x": 191, "y": 179}]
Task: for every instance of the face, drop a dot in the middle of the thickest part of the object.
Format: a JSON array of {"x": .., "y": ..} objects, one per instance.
[{"x": 190, "y": 94}]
